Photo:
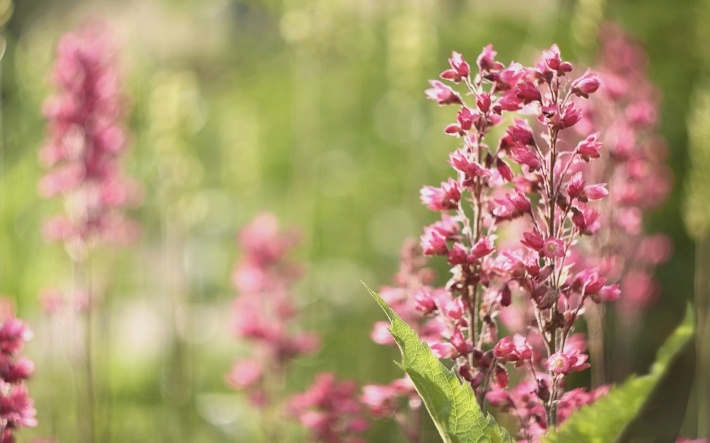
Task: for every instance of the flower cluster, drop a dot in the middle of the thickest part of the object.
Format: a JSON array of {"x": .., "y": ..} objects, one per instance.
[
  {"x": 84, "y": 143},
  {"x": 16, "y": 410},
  {"x": 331, "y": 411},
  {"x": 626, "y": 106},
  {"x": 264, "y": 312},
  {"x": 529, "y": 189}
]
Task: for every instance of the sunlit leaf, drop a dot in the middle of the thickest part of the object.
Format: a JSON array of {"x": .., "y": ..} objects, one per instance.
[{"x": 451, "y": 404}]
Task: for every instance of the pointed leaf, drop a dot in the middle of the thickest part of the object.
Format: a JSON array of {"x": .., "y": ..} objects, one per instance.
[{"x": 452, "y": 405}]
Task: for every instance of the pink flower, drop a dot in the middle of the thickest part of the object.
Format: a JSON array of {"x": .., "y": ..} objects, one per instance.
[
  {"x": 596, "y": 192},
  {"x": 552, "y": 60},
  {"x": 459, "y": 68},
  {"x": 454, "y": 309},
  {"x": 331, "y": 410},
  {"x": 380, "y": 400},
  {"x": 504, "y": 170},
  {"x": 462, "y": 163},
  {"x": 486, "y": 60},
  {"x": 588, "y": 281},
  {"x": 586, "y": 219},
  {"x": 528, "y": 92},
  {"x": 608, "y": 293},
  {"x": 85, "y": 141},
  {"x": 575, "y": 187},
  {"x": 483, "y": 247},
  {"x": 589, "y": 147},
  {"x": 244, "y": 374},
  {"x": 514, "y": 349},
  {"x": 521, "y": 132},
  {"x": 433, "y": 243},
  {"x": 533, "y": 240},
  {"x": 586, "y": 84},
  {"x": 566, "y": 362},
  {"x": 443, "y": 94},
  {"x": 16, "y": 406},
  {"x": 444, "y": 198},
  {"x": 524, "y": 156},
  {"x": 443, "y": 350},
  {"x": 483, "y": 102},
  {"x": 553, "y": 248}
]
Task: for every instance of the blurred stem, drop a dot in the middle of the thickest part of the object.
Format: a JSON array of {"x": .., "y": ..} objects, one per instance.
[
  {"x": 415, "y": 426},
  {"x": 410, "y": 424},
  {"x": 626, "y": 330},
  {"x": 178, "y": 384},
  {"x": 82, "y": 288},
  {"x": 595, "y": 326},
  {"x": 702, "y": 299}
]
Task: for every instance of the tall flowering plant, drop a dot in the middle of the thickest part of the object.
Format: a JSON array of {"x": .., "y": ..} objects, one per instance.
[
  {"x": 84, "y": 143},
  {"x": 512, "y": 219},
  {"x": 16, "y": 406},
  {"x": 264, "y": 312},
  {"x": 266, "y": 316},
  {"x": 633, "y": 165},
  {"x": 85, "y": 139}
]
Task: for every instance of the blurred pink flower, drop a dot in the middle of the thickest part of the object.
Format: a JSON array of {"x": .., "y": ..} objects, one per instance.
[
  {"x": 85, "y": 141},
  {"x": 330, "y": 410},
  {"x": 16, "y": 406}
]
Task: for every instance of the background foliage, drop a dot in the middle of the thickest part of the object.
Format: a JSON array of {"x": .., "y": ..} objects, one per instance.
[{"x": 312, "y": 109}]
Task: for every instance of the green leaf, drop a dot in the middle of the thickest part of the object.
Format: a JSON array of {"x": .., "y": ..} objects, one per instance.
[
  {"x": 452, "y": 405},
  {"x": 605, "y": 420}
]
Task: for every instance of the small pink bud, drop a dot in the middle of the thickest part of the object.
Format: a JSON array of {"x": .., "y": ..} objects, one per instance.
[
  {"x": 609, "y": 293},
  {"x": 483, "y": 247},
  {"x": 458, "y": 341},
  {"x": 501, "y": 376},
  {"x": 457, "y": 254},
  {"x": 441, "y": 199},
  {"x": 465, "y": 372},
  {"x": 454, "y": 309},
  {"x": 459, "y": 64},
  {"x": 424, "y": 301},
  {"x": 596, "y": 192},
  {"x": 552, "y": 58},
  {"x": 505, "y": 296},
  {"x": 575, "y": 187},
  {"x": 504, "y": 170},
  {"x": 443, "y": 350},
  {"x": 521, "y": 133},
  {"x": 483, "y": 101},
  {"x": 570, "y": 116},
  {"x": 528, "y": 92},
  {"x": 442, "y": 94},
  {"x": 453, "y": 129},
  {"x": 486, "y": 60},
  {"x": 533, "y": 240},
  {"x": 589, "y": 147},
  {"x": 465, "y": 118},
  {"x": 586, "y": 84}
]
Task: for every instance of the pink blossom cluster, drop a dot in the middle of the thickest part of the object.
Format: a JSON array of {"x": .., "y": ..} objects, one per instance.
[
  {"x": 265, "y": 316},
  {"x": 85, "y": 140},
  {"x": 264, "y": 312},
  {"x": 16, "y": 409},
  {"x": 634, "y": 167},
  {"x": 331, "y": 411},
  {"x": 512, "y": 218}
]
